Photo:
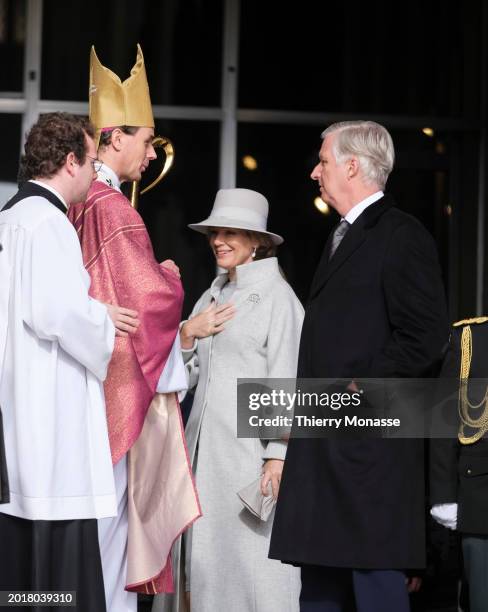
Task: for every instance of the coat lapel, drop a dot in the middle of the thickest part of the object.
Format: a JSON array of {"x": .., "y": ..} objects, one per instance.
[
  {"x": 350, "y": 243},
  {"x": 319, "y": 272}
]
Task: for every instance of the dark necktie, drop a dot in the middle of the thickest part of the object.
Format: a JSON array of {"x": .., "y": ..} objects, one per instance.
[{"x": 339, "y": 233}]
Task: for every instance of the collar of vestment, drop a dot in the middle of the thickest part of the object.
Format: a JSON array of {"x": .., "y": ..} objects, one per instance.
[
  {"x": 37, "y": 188},
  {"x": 249, "y": 274},
  {"x": 360, "y": 207},
  {"x": 107, "y": 175}
]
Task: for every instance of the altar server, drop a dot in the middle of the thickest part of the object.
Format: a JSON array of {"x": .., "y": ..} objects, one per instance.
[{"x": 55, "y": 346}]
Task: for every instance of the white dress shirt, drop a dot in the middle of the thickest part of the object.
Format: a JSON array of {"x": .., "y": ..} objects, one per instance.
[{"x": 360, "y": 207}]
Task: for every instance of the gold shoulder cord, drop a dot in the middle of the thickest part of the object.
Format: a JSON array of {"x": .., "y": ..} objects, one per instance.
[
  {"x": 464, "y": 405},
  {"x": 470, "y": 321}
]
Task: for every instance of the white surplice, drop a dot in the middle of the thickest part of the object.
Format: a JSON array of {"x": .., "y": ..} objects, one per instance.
[{"x": 55, "y": 346}]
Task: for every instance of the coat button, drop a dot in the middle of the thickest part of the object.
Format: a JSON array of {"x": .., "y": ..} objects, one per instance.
[{"x": 468, "y": 471}]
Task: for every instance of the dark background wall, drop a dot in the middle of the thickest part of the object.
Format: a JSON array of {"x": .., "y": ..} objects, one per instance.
[{"x": 409, "y": 65}]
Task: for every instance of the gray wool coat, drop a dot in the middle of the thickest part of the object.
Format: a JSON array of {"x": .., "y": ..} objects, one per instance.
[{"x": 227, "y": 563}]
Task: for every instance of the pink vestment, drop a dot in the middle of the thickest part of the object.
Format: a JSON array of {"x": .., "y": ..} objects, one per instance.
[{"x": 118, "y": 255}]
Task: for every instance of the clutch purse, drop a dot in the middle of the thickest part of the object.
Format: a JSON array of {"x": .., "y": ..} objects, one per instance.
[{"x": 261, "y": 506}]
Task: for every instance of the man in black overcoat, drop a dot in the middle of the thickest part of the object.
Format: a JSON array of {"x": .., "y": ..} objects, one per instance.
[{"x": 351, "y": 512}]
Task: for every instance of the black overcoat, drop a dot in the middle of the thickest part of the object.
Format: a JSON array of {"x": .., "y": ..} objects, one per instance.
[{"x": 377, "y": 309}]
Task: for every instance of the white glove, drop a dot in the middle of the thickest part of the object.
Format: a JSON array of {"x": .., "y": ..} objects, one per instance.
[{"x": 445, "y": 515}]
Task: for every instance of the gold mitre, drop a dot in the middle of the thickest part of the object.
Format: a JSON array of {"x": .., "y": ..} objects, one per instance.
[{"x": 113, "y": 103}]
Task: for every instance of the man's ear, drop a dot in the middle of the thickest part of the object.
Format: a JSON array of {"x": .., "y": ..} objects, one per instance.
[
  {"x": 352, "y": 165},
  {"x": 70, "y": 163},
  {"x": 117, "y": 138}
]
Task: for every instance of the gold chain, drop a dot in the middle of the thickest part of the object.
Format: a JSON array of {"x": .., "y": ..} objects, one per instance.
[{"x": 481, "y": 423}]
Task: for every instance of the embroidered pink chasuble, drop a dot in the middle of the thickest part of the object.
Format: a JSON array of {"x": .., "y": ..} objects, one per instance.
[{"x": 118, "y": 255}]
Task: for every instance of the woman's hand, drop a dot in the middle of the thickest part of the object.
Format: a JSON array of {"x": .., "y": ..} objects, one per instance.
[
  {"x": 125, "y": 320},
  {"x": 272, "y": 470},
  {"x": 206, "y": 323}
]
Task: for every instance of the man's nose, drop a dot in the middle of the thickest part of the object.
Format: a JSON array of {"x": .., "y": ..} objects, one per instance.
[
  {"x": 315, "y": 173},
  {"x": 151, "y": 153}
]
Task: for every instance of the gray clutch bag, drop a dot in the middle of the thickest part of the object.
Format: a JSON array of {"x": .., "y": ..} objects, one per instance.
[{"x": 258, "y": 504}]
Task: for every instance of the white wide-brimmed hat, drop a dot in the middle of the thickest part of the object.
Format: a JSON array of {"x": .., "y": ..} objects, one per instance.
[{"x": 241, "y": 209}]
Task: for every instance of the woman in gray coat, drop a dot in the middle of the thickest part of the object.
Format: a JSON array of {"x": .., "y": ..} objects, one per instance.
[{"x": 246, "y": 325}]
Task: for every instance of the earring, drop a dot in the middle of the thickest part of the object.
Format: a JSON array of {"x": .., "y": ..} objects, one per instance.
[{"x": 254, "y": 252}]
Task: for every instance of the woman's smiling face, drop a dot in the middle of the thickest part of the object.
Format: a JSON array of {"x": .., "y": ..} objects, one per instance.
[{"x": 231, "y": 247}]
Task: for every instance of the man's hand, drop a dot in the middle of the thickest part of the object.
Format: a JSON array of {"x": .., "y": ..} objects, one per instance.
[
  {"x": 352, "y": 386},
  {"x": 272, "y": 470},
  {"x": 413, "y": 584},
  {"x": 170, "y": 265},
  {"x": 124, "y": 319},
  {"x": 445, "y": 515},
  {"x": 206, "y": 323}
]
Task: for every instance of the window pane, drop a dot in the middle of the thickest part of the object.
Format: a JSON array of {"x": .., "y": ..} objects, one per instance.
[
  {"x": 181, "y": 42},
  {"x": 185, "y": 196},
  {"x": 12, "y": 40},
  {"x": 10, "y": 128},
  {"x": 417, "y": 57}
]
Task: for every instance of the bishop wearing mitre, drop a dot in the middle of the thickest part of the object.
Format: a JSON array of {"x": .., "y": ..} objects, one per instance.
[{"x": 156, "y": 496}]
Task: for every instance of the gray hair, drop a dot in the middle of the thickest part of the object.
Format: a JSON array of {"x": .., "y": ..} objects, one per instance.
[{"x": 370, "y": 142}]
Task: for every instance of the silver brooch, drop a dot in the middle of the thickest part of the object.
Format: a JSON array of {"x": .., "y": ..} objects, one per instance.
[{"x": 254, "y": 297}]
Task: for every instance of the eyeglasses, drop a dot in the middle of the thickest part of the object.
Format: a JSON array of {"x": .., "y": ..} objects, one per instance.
[{"x": 96, "y": 163}]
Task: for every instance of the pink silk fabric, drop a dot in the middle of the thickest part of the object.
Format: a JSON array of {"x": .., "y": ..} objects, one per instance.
[
  {"x": 162, "y": 499},
  {"x": 118, "y": 255}
]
